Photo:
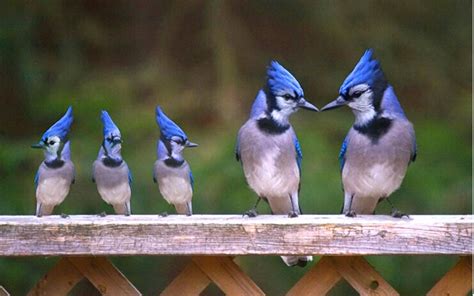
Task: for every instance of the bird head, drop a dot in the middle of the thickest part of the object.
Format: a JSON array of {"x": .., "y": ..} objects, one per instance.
[
  {"x": 285, "y": 93},
  {"x": 112, "y": 143},
  {"x": 363, "y": 88},
  {"x": 172, "y": 135},
  {"x": 55, "y": 137}
]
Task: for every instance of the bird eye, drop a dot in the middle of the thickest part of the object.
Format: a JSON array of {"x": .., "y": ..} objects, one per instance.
[
  {"x": 51, "y": 143},
  {"x": 356, "y": 94},
  {"x": 288, "y": 97}
]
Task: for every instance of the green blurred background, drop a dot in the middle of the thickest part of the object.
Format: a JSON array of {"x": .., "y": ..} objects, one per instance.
[{"x": 203, "y": 62}]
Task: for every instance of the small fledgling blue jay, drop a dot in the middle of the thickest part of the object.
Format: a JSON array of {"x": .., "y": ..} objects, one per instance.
[
  {"x": 171, "y": 171},
  {"x": 56, "y": 173},
  {"x": 269, "y": 150},
  {"x": 380, "y": 145},
  {"x": 110, "y": 172}
]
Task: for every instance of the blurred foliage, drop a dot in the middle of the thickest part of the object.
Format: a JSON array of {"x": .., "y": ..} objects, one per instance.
[{"x": 204, "y": 61}]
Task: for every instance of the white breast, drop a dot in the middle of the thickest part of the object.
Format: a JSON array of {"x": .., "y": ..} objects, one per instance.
[
  {"x": 175, "y": 189},
  {"x": 52, "y": 190}
]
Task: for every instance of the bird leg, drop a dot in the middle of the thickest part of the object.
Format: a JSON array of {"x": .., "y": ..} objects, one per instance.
[
  {"x": 102, "y": 214},
  {"x": 163, "y": 214},
  {"x": 350, "y": 212},
  {"x": 252, "y": 213},
  {"x": 395, "y": 212},
  {"x": 64, "y": 216},
  {"x": 294, "y": 209}
]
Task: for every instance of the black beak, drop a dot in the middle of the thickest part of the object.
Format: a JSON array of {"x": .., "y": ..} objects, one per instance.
[
  {"x": 302, "y": 103},
  {"x": 340, "y": 101},
  {"x": 191, "y": 144},
  {"x": 39, "y": 145}
]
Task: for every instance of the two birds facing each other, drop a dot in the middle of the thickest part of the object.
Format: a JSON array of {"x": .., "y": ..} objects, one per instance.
[
  {"x": 374, "y": 156},
  {"x": 109, "y": 171}
]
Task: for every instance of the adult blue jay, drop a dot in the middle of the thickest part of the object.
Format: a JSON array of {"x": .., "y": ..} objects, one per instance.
[
  {"x": 171, "y": 171},
  {"x": 269, "y": 150},
  {"x": 110, "y": 172},
  {"x": 380, "y": 145},
  {"x": 56, "y": 173}
]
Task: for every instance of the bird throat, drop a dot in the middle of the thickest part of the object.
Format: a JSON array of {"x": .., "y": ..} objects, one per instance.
[
  {"x": 375, "y": 128},
  {"x": 55, "y": 163},
  {"x": 111, "y": 162},
  {"x": 269, "y": 125},
  {"x": 173, "y": 162}
]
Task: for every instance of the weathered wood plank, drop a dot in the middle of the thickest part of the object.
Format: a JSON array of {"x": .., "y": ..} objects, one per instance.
[
  {"x": 235, "y": 235},
  {"x": 104, "y": 276},
  {"x": 457, "y": 281},
  {"x": 58, "y": 281},
  {"x": 362, "y": 276},
  {"x": 3, "y": 291},
  {"x": 227, "y": 276},
  {"x": 318, "y": 281},
  {"x": 191, "y": 281}
]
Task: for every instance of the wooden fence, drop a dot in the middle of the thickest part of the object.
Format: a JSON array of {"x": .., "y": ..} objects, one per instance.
[{"x": 83, "y": 242}]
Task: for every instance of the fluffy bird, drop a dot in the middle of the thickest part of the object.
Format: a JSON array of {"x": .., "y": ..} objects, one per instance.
[
  {"x": 110, "y": 172},
  {"x": 268, "y": 148},
  {"x": 171, "y": 171},
  {"x": 380, "y": 145},
  {"x": 56, "y": 173}
]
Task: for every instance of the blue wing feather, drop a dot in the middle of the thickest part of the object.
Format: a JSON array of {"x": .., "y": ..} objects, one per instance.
[
  {"x": 130, "y": 177},
  {"x": 299, "y": 153},
  {"x": 36, "y": 178},
  {"x": 191, "y": 179},
  {"x": 342, "y": 153}
]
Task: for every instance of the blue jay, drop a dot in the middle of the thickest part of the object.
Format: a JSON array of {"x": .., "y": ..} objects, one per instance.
[
  {"x": 110, "y": 172},
  {"x": 56, "y": 173},
  {"x": 268, "y": 148},
  {"x": 381, "y": 143},
  {"x": 171, "y": 171}
]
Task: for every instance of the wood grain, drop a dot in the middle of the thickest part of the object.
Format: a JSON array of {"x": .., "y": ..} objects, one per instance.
[
  {"x": 362, "y": 276},
  {"x": 318, "y": 281},
  {"x": 58, "y": 281},
  {"x": 191, "y": 281},
  {"x": 227, "y": 276},
  {"x": 235, "y": 235},
  {"x": 104, "y": 276},
  {"x": 457, "y": 281}
]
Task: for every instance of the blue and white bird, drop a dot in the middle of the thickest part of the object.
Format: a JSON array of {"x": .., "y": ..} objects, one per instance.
[
  {"x": 110, "y": 172},
  {"x": 56, "y": 173},
  {"x": 171, "y": 171},
  {"x": 381, "y": 143},
  {"x": 268, "y": 148}
]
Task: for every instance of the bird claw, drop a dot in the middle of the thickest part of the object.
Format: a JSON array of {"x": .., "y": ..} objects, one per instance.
[
  {"x": 64, "y": 216},
  {"x": 252, "y": 213},
  {"x": 398, "y": 214},
  {"x": 351, "y": 214},
  {"x": 292, "y": 214},
  {"x": 103, "y": 214},
  {"x": 163, "y": 214}
]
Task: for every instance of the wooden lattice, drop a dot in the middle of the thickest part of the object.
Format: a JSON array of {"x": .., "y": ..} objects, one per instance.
[{"x": 85, "y": 241}]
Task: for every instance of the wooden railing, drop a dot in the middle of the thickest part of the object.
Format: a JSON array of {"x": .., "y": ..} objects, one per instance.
[{"x": 83, "y": 242}]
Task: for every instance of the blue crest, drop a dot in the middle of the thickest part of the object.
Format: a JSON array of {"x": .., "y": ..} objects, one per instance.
[
  {"x": 280, "y": 80},
  {"x": 367, "y": 71},
  {"x": 109, "y": 126},
  {"x": 167, "y": 127},
  {"x": 61, "y": 127}
]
